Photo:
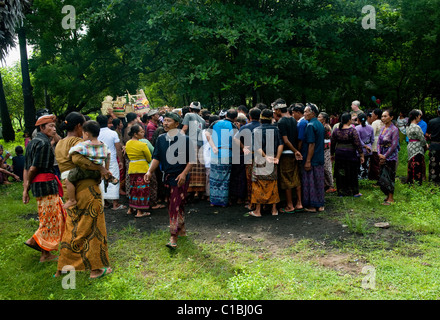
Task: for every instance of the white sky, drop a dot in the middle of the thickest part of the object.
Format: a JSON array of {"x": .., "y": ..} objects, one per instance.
[{"x": 14, "y": 56}]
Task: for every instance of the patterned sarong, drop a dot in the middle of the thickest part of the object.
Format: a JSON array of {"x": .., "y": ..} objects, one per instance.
[
  {"x": 139, "y": 194},
  {"x": 313, "y": 187},
  {"x": 176, "y": 207},
  {"x": 52, "y": 218},
  {"x": 219, "y": 184},
  {"x": 289, "y": 172},
  {"x": 434, "y": 166},
  {"x": 198, "y": 176},
  {"x": 84, "y": 244},
  {"x": 416, "y": 168}
]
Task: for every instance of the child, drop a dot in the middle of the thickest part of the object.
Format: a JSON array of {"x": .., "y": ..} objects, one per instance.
[
  {"x": 94, "y": 150},
  {"x": 18, "y": 162}
]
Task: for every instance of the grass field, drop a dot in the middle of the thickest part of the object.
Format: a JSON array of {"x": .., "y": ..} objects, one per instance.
[{"x": 401, "y": 263}]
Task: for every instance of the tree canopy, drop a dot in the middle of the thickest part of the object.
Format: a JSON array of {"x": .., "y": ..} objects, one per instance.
[{"x": 226, "y": 53}]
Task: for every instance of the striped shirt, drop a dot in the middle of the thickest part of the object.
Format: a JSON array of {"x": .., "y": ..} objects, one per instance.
[{"x": 97, "y": 153}]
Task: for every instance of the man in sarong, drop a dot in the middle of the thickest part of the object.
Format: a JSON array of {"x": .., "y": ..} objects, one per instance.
[
  {"x": 40, "y": 177},
  {"x": 193, "y": 125},
  {"x": 172, "y": 152},
  {"x": 289, "y": 177},
  {"x": 313, "y": 162},
  {"x": 220, "y": 137}
]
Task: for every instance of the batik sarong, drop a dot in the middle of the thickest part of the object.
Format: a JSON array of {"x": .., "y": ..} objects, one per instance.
[
  {"x": 289, "y": 172},
  {"x": 313, "y": 187},
  {"x": 52, "y": 217},
  {"x": 139, "y": 194},
  {"x": 416, "y": 168},
  {"x": 265, "y": 184},
  {"x": 434, "y": 166},
  {"x": 84, "y": 245},
  {"x": 219, "y": 184},
  {"x": 176, "y": 207}
]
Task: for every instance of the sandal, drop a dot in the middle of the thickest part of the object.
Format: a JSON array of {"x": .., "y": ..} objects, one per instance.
[
  {"x": 121, "y": 206},
  {"x": 284, "y": 210},
  {"x": 171, "y": 245},
  {"x": 251, "y": 213},
  {"x": 145, "y": 214},
  {"x": 104, "y": 272}
]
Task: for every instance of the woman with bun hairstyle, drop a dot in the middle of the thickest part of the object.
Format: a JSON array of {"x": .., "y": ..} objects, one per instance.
[
  {"x": 139, "y": 156},
  {"x": 366, "y": 136},
  {"x": 416, "y": 148},
  {"x": 346, "y": 149},
  {"x": 388, "y": 151},
  {"x": 84, "y": 245}
]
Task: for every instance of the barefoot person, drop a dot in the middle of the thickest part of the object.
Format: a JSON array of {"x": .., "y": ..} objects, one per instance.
[
  {"x": 84, "y": 243},
  {"x": 172, "y": 153},
  {"x": 95, "y": 151},
  {"x": 313, "y": 162},
  {"x": 139, "y": 156},
  {"x": 39, "y": 176}
]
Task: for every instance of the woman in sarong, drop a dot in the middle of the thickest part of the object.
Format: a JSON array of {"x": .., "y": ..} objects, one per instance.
[
  {"x": 84, "y": 244},
  {"x": 388, "y": 150},
  {"x": 139, "y": 156},
  {"x": 416, "y": 148},
  {"x": 268, "y": 149},
  {"x": 348, "y": 154},
  {"x": 366, "y": 137},
  {"x": 328, "y": 167}
]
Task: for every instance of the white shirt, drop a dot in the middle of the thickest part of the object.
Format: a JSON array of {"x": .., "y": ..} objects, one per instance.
[{"x": 110, "y": 138}]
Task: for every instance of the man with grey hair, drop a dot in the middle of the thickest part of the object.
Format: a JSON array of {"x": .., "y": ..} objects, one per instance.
[
  {"x": 355, "y": 107},
  {"x": 312, "y": 177}
]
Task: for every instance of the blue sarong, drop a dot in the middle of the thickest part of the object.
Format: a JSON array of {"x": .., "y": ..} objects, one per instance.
[{"x": 219, "y": 178}]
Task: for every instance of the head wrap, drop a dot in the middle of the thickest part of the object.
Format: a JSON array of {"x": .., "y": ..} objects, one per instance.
[
  {"x": 173, "y": 116},
  {"x": 45, "y": 119},
  {"x": 195, "y": 105}
]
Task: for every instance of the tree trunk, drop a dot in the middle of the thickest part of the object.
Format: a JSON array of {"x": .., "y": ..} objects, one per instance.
[
  {"x": 7, "y": 129},
  {"x": 29, "y": 105}
]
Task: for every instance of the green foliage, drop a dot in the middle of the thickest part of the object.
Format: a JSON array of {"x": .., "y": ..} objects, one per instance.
[{"x": 226, "y": 53}]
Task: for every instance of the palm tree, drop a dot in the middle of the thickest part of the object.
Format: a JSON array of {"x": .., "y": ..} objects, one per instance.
[{"x": 11, "y": 15}]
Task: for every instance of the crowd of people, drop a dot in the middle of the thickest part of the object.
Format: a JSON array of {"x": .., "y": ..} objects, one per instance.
[{"x": 163, "y": 159}]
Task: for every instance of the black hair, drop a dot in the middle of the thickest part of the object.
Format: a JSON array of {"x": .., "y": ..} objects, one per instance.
[
  {"x": 345, "y": 118},
  {"x": 19, "y": 150},
  {"x": 131, "y": 116},
  {"x": 102, "y": 120},
  {"x": 92, "y": 127},
  {"x": 72, "y": 120},
  {"x": 134, "y": 129},
  {"x": 254, "y": 113},
  {"x": 185, "y": 110},
  {"x": 378, "y": 112},
  {"x": 413, "y": 115},
  {"x": 213, "y": 118},
  {"x": 242, "y": 108},
  {"x": 391, "y": 112},
  {"x": 145, "y": 117},
  {"x": 116, "y": 122},
  {"x": 266, "y": 113},
  {"x": 231, "y": 114},
  {"x": 206, "y": 114},
  {"x": 261, "y": 106},
  {"x": 298, "y": 107},
  {"x": 362, "y": 117}
]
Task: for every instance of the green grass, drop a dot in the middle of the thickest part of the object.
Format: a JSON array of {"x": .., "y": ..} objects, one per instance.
[{"x": 404, "y": 257}]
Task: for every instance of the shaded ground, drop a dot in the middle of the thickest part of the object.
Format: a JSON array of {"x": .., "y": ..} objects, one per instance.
[{"x": 215, "y": 224}]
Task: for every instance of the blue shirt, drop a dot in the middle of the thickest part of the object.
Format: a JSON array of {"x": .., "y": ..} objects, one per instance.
[
  {"x": 314, "y": 133},
  {"x": 301, "y": 125},
  {"x": 222, "y": 132}
]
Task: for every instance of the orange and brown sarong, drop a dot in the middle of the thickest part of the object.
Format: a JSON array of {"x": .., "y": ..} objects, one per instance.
[
  {"x": 84, "y": 244},
  {"x": 52, "y": 218}
]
